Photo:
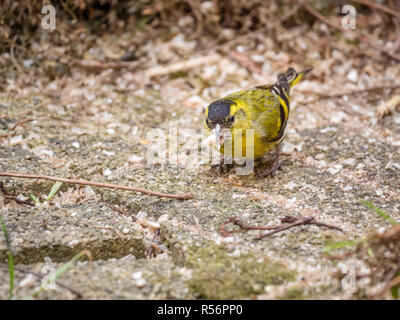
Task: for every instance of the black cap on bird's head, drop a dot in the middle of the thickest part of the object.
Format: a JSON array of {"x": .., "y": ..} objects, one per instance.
[{"x": 219, "y": 112}]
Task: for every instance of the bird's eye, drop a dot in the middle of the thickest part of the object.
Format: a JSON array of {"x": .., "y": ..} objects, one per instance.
[{"x": 231, "y": 119}]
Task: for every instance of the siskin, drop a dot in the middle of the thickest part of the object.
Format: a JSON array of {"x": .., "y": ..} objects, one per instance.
[{"x": 263, "y": 109}]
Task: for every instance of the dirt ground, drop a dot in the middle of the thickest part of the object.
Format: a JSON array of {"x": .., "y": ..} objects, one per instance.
[{"x": 94, "y": 124}]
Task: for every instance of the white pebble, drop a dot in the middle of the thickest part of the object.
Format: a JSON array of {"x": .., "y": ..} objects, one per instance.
[
  {"x": 137, "y": 275},
  {"x": 353, "y": 75},
  {"x": 141, "y": 282}
]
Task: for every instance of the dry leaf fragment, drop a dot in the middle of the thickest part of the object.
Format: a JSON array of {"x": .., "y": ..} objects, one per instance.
[{"x": 388, "y": 107}]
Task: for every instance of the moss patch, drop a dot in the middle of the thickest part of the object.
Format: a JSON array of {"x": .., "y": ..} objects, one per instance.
[
  {"x": 220, "y": 275},
  {"x": 293, "y": 294}
]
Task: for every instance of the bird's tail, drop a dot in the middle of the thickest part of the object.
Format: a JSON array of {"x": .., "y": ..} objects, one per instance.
[{"x": 293, "y": 77}]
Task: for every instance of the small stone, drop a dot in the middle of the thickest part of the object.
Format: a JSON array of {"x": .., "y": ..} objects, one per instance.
[
  {"x": 335, "y": 169},
  {"x": 141, "y": 215},
  {"x": 16, "y": 140},
  {"x": 141, "y": 282},
  {"x": 349, "y": 162},
  {"x": 393, "y": 165},
  {"x": 134, "y": 159},
  {"x": 137, "y": 275},
  {"x": 76, "y": 144},
  {"x": 288, "y": 148},
  {"x": 107, "y": 172},
  {"x": 163, "y": 219},
  {"x": 125, "y": 230},
  {"x": 352, "y": 75},
  {"x": 28, "y": 281}
]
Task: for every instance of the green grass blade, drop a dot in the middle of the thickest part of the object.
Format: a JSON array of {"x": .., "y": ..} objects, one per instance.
[
  {"x": 58, "y": 273},
  {"x": 10, "y": 258},
  {"x": 54, "y": 190},
  {"x": 340, "y": 245},
  {"x": 395, "y": 292},
  {"x": 34, "y": 198},
  {"x": 379, "y": 211}
]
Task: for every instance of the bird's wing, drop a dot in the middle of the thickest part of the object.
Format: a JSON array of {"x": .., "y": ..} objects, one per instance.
[{"x": 262, "y": 110}]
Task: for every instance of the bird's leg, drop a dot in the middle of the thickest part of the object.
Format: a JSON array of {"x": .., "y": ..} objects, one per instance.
[
  {"x": 222, "y": 166},
  {"x": 275, "y": 165}
]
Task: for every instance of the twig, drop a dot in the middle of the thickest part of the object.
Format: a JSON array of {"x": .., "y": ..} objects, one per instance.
[
  {"x": 285, "y": 227},
  {"x": 349, "y": 93},
  {"x": 323, "y": 96},
  {"x": 38, "y": 275},
  {"x": 394, "y": 283},
  {"x": 245, "y": 61},
  {"x": 184, "y": 196},
  {"x": 181, "y": 65},
  {"x": 7, "y": 196},
  {"x": 94, "y": 64},
  {"x": 242, "y": 226},
  {"x": 359, "y": 37},
  {"x": 19, "y": 123},
  {"x": 321, "y": 224},
  {"x": 292, "y": 222},
  {"x": 14, "y": 60},
  {"x": 119, "y": 210},
  {"x": 378, "y": 7}
]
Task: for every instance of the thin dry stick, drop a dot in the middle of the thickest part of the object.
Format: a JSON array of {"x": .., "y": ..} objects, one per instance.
[
  {"x": 7, "y": 196},
  {"x": 281, "y": 227},
  {"x": 119, "y": 210},
  {"x": 242, "y": 226},
  {"x": 180, "y": 65},
  {"x": 323, "y": 96},
  {"x": 285, "y": 227},
  {"x": 351, "y": 92},
  {"x": 394, "y": 283},
  {"x": 94, "y": 64},
  {"x": 19, "y": 123},
  {"x": 184, "y": 196},
  {"x": 359, "y": 37},
  {"x": 321, "y": 224},
  {"x": 378, "y": 7},
  {"x": 14, "y": 60}
]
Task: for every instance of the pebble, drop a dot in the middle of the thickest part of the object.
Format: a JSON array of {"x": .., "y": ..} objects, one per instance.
[
  {"x": 28, "y": 281},
  {"x": 335, "y": 169},
  {"x": 141, "y": 282},
  {"x": 352, "y": 75},
  {"x": 137, "y": 275},
  {"x": 16, "y": 140}
]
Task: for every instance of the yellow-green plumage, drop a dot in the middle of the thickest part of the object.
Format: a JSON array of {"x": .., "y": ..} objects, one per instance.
[{"x": 264, "y": 109}]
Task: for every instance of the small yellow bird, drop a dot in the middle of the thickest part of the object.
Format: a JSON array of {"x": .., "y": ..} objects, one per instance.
[{"x": 264, "y": 110}]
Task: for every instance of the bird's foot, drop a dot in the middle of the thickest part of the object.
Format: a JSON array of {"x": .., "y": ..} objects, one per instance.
[
  {"x": 274, "y": 166},
  {"x": 222, "y": 167},
  {"x": 271, "y": 170}
]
